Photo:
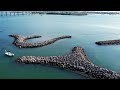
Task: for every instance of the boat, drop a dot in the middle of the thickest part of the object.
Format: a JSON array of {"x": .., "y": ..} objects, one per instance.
[{"x": 8, "y": 53}]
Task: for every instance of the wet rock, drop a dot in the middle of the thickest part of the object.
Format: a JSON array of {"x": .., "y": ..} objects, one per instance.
[
  {"x": 76, "y": 61},
  {"x": 20, "y": 41},
  {"x": 108, "y": 42}
]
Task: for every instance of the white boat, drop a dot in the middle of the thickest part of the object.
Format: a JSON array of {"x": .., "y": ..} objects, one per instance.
[{"x": 8, "y": 53}]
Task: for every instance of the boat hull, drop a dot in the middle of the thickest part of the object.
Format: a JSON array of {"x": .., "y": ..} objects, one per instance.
[{"x": 9, "y": 54}]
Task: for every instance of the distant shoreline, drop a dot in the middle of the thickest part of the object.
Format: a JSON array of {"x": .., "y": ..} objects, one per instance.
[{"x": 79, "y": 13}]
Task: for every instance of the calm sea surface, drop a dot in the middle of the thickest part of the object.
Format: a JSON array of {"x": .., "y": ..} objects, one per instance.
[{"x": 85, "y": 31}]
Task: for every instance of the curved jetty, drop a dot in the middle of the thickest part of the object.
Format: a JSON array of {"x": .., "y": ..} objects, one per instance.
[
  {"x": 76, "y": 61},
  {"x": 108, "y": 42},
  {"x": 20, "y": 41}
]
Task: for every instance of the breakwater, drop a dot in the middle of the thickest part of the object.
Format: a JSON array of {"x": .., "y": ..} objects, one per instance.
[
  {"x": 108, "y": 42},
  {"x": 76, "y": 61},
  {"x": 20, "y": 41}
]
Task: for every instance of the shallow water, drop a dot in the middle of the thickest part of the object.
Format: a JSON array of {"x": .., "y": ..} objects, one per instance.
[{"x": 85, "y": 31}]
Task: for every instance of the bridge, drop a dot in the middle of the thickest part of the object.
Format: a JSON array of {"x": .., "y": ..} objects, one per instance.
[{"x": 14, "y": 13}]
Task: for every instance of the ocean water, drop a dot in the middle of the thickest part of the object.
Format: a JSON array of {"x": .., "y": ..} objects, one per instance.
[{"x": 85, "y": 31}]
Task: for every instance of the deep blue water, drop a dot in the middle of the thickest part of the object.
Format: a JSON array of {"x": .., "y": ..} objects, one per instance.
[{"x": 85, "y": 31}]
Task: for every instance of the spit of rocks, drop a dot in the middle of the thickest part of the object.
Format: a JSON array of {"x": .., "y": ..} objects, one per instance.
[
  {"x": 108, "y": 42},
  {"x": 20, "y": 41},
  {"x": 76, "y": 61}
]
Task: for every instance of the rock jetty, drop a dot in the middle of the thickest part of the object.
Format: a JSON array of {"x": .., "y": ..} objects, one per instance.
[
  {"x": 76, "y": 61},
  {"x": 20, "y": 41},
  {"x": 108, "y": 42}
]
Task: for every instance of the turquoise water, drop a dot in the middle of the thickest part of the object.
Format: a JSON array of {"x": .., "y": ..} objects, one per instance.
[{"x": 85, "y": 31}]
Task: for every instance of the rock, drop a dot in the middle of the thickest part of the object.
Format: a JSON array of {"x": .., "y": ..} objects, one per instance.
[
  {"x": 76, "y": 61},
  {"x": 20, "y": 41},
  {"x": 108, "y": 42}
]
